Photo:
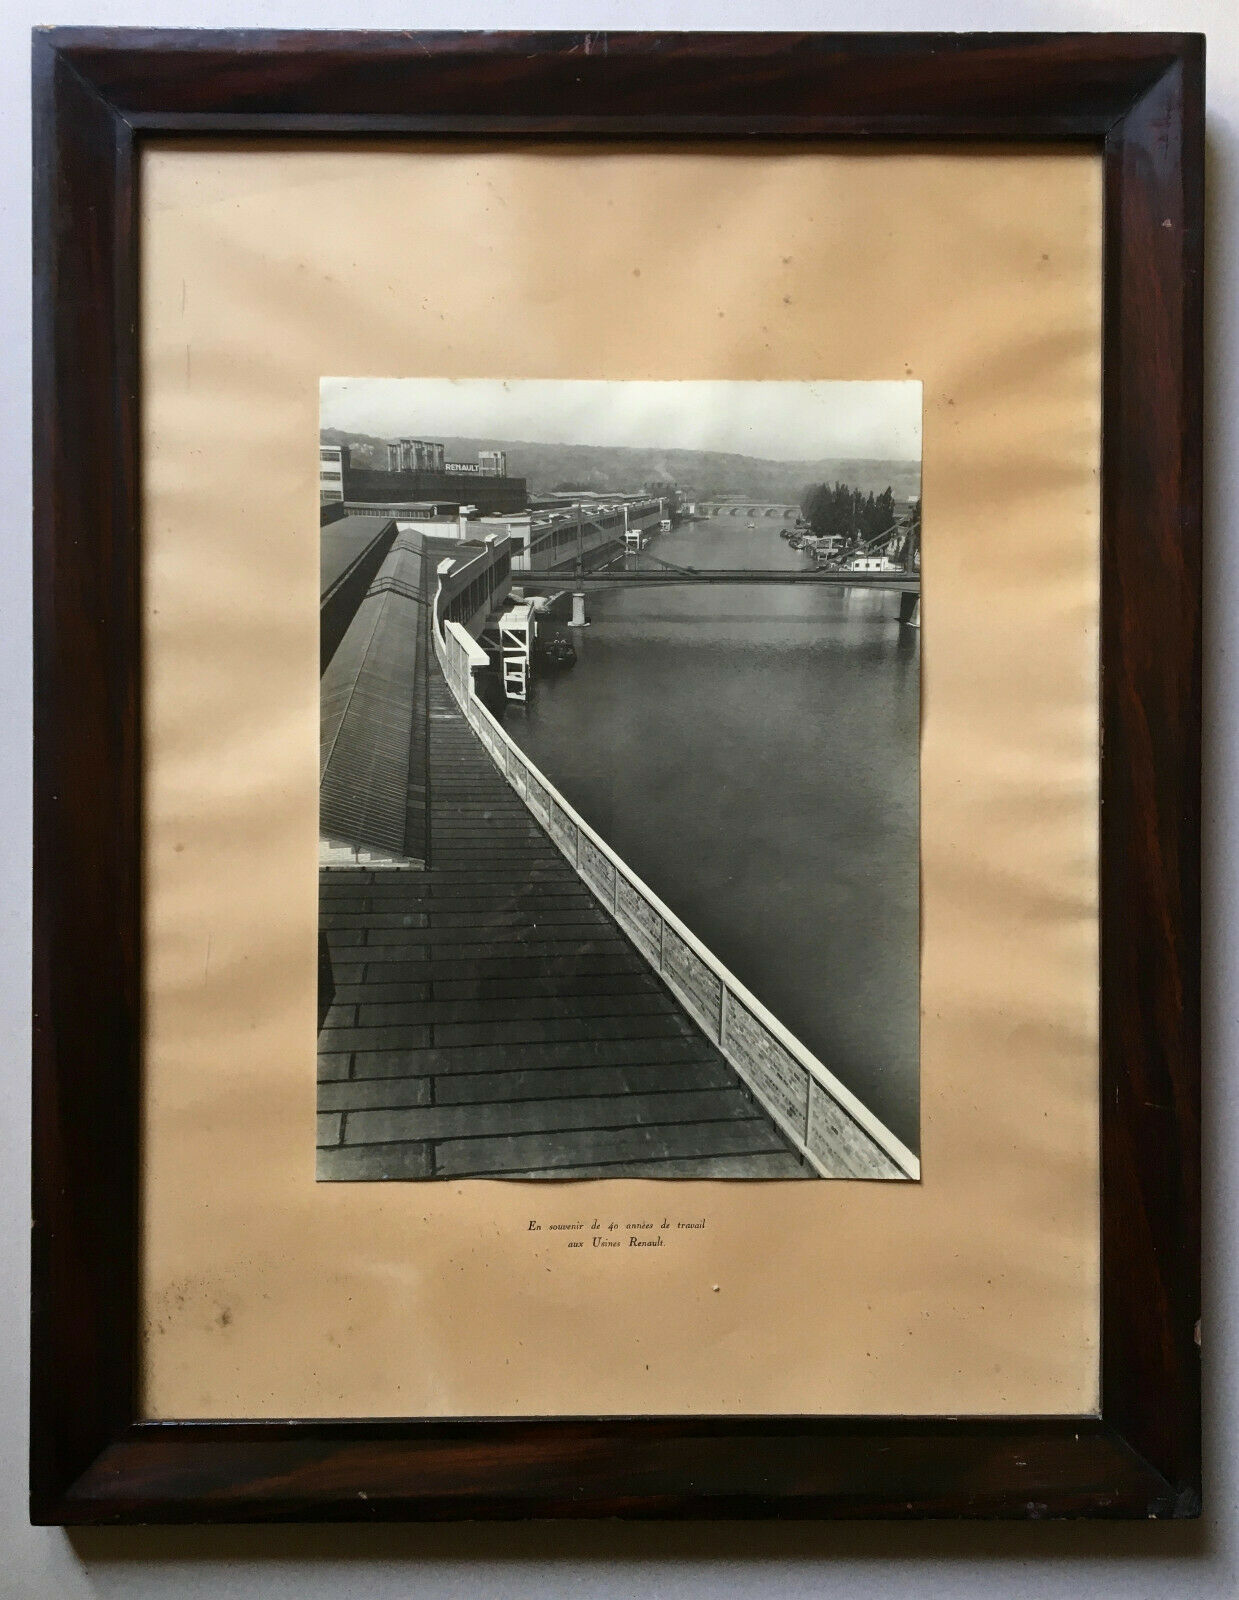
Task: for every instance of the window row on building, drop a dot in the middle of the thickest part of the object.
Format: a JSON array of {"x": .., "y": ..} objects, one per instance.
[
  {"x": 332, "y": 459},
  {"x": 474, "y": 596}
]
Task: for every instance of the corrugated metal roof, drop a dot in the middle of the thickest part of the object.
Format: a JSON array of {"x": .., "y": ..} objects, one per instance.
[{"x": 369, "y": 711}]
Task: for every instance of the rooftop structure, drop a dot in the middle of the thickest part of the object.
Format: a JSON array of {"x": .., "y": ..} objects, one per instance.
[
  {"x": 414, "y": 455},
  {"x": 341, "y": 543}
]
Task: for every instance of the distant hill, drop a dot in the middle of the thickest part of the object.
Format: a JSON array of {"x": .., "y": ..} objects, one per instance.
[{"x": 706, "y": 474}]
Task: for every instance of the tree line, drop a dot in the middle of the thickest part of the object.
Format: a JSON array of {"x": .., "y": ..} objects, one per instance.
[{"x": 838, "y": 508}]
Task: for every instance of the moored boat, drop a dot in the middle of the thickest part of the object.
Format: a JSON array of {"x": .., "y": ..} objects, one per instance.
[{"x": 553, "y": 652}]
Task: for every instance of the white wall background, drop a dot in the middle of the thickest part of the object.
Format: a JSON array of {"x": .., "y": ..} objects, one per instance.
[{"x": 672, "y": 1562}]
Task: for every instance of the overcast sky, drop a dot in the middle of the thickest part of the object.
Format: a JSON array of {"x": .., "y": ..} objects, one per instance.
[{"x": 777, "y": 421}]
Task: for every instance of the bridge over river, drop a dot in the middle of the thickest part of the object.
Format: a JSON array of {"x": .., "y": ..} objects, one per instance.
[
  {"x": 660, "y": 574},
  {"x": 648, "y": 571},
  {"x": 746, "y": 508}
]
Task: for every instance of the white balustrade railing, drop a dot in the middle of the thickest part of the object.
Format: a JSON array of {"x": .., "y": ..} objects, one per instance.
[{"x": 833, "y": 1129}]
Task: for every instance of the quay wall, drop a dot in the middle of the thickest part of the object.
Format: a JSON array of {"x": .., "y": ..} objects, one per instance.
[{"x": 826, "y": 1122}]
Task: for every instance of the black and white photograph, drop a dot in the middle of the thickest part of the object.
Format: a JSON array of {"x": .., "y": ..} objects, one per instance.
[{"x": 619, "y": 776}]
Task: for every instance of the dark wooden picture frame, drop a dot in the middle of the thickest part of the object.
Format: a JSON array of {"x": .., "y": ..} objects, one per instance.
[{"x": 1138, "y": 99}]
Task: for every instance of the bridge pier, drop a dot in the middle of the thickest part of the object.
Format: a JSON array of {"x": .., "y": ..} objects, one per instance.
[
  {"x": 910, "y": 608},
  {"x": 578, "y": 608}
]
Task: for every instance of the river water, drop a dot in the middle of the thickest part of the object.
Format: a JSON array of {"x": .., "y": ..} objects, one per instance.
[{"x": 752, "y": 752}]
